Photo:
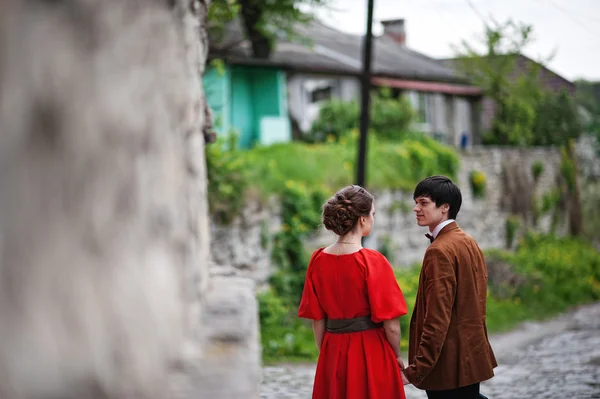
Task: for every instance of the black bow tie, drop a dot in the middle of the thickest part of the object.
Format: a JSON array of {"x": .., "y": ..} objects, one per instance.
[{"x": 431, "y": 238}]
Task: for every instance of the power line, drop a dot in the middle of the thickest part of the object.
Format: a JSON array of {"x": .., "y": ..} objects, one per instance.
[
  {"x": 476, "y": 11},
  {"x": 568, "y": 14}
]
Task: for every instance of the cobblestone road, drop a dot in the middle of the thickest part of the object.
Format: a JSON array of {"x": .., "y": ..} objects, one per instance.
[{"x": 553, "y": 360}]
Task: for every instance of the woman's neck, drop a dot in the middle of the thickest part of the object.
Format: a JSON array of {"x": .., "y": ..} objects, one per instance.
[{"x": 350, "y": 238}]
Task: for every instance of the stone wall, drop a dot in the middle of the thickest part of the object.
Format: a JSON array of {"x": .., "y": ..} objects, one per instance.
[
  {"x": 104, "y": 239},
  {"x": 396, "y": 230}
]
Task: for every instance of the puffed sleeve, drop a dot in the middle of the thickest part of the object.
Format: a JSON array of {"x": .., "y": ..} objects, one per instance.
[
  {"x": 309, "y": 304},
  {"x": 385, "y": 297}
]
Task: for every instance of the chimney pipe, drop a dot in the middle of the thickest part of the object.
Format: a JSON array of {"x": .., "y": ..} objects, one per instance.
[{"x": 394, "y": 28}]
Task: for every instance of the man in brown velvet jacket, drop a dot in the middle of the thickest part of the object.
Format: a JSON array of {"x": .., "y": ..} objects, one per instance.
[{"x": 449, "y": 351}]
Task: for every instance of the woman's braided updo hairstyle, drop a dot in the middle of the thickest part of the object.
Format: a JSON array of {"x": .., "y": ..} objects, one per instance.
[{"x": 342, "y": 211}]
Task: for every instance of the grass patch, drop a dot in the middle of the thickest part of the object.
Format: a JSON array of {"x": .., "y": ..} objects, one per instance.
[{"x": 397, "y": 165}]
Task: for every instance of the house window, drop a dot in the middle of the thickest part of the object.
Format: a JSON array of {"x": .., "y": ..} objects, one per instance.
[{"x": 321, "y": 94}]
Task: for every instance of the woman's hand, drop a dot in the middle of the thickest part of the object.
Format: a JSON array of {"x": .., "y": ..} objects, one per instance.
[
  {"x": 404, "y": 379},
  {"x": 400, "y": 362}
]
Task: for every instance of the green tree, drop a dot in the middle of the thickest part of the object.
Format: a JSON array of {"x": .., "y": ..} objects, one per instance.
[
  {"x": 263, "y": 20},
  {"x": 587, "y": 96},
  {"x": 557, "y": 120},
  {"x": 515, "y": 92}
]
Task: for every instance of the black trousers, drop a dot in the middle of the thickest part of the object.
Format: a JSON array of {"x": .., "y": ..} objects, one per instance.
[{"x": 468, "y": 392}]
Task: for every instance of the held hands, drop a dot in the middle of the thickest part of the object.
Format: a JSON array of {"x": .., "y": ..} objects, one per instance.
[
  {"x": 404, "y": 380},
  {"x": 401, "y": 364}
]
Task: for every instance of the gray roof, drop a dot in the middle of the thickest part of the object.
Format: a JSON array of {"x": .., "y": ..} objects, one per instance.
[{"x": 326, "y": 50}]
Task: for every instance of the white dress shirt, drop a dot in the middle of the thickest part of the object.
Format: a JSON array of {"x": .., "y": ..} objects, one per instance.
[{"x": 440, "y": 226}]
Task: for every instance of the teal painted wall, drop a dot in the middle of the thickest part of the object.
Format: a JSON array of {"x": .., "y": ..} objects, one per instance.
[
  {"x": 250, "y": 101},
  {"x": 242, "y": 111},
  {"x": 265, "y": 86},
  {"x": 270, "y": 106},
  {"x": 217, "y": 84}
]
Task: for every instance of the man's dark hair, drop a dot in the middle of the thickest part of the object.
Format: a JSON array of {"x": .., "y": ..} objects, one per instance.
[{"x": 442, "y": 191}]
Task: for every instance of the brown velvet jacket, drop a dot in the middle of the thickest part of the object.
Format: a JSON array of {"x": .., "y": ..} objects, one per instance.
[{"x": 448, "y": 343}]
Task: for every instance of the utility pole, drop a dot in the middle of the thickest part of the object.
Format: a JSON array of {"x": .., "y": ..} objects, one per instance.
[{"x": 365, "y": 98}]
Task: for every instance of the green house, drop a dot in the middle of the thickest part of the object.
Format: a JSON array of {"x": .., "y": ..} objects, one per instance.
[{"x": 251, "y": 101}]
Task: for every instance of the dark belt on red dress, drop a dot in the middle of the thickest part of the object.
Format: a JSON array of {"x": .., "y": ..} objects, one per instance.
[{"x": 339, "y": 326}]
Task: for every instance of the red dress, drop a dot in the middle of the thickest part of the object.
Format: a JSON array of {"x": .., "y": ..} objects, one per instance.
[{"x": 357, "y": 365}]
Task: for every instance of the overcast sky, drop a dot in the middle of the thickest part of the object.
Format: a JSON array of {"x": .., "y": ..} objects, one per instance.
[{"x": 568, "y": 28}]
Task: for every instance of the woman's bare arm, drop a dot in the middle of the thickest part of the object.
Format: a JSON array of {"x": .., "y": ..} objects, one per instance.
[
  {"x": 319, "y": 332},
  {"x": 392, "y": 333}
]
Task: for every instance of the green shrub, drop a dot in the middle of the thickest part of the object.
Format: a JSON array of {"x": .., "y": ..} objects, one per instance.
[
  {"x": 336, "y": 119},
  {"x": 390, "y": 118},
  {"x": 227, "y": 179},
  {"x": 557, "y": 120},
  {"x": 283, "y": 335},
  {"x": 567, "y": 169},
  {"x": 558, "y": 273},
  {"x": 478, "y": 183},
  {"x": 550, "y": 203},
  {"x": 408, "y": 280},
  {"x": 512, "y": 225},
  {"x": 300, "y": 215},
  {"x": 537, "y": 168},
  {"x": 567, "y": 270}
]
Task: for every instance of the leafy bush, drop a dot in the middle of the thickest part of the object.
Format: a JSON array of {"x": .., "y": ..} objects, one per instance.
[
  {"x": 537, "y": 168},
  {"x": 565, "y": 271},
  {"x": 550, "y": 200},
  {"x": 513, "y": 223},
  {"x": 557, "y": 120},
  {"x": 336, "y": 119},
  {"x": 390, "y": 118},
  {"x": 227, "y": 179},
  {"x": 300, "y": 214},
  {"x": 513, "y": 123},
  {"x": 567, "y": 169},
  {"x": 283, "y": 335},
  {"x": 408, "y": 280},
  {"x": 478, "y": 183}
]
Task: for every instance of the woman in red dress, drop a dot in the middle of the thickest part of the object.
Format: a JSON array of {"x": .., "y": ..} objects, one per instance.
[{"x": 353, "y": 298}]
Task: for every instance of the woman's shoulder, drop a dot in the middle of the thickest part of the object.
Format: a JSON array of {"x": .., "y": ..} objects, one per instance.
[
  {"x": 316, "y": 253},
  {"x": 373, "y": 253},
  {"x": 373, "y": 256}
]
